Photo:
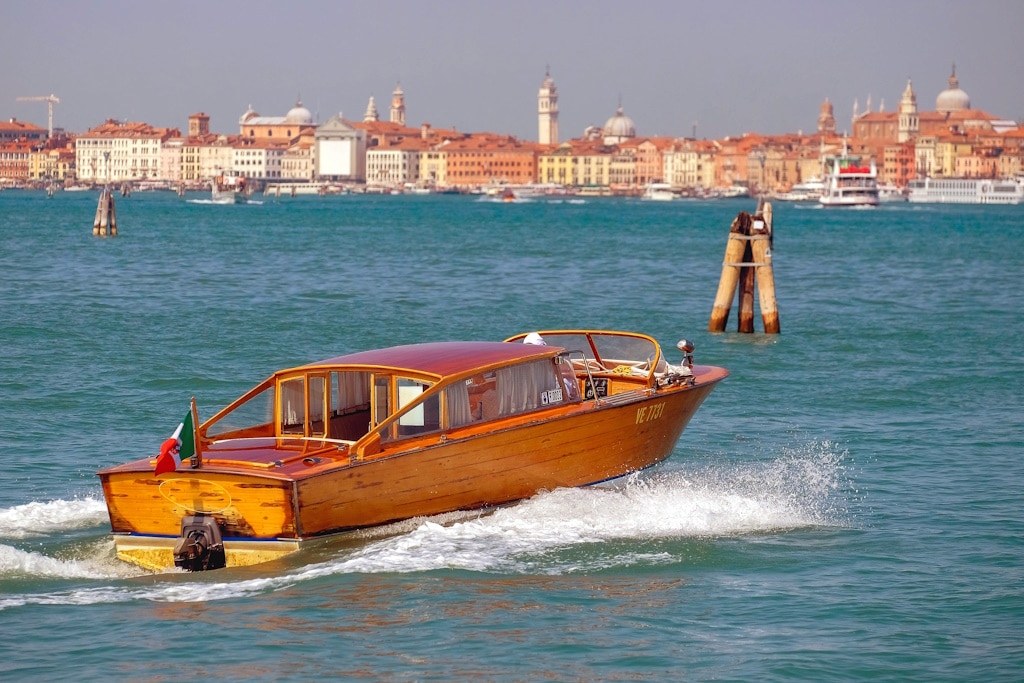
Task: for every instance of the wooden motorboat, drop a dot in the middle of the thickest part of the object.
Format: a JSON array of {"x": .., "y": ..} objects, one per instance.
[{"x": 379, "y": 436}]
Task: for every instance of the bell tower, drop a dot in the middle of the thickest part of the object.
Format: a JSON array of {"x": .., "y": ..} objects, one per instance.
[
  {"x": 826, "y": 119},
  {"x": 908, "y": 121},
  {"x": 547, "y": 111},
  {"x": 398, "y": 106}
]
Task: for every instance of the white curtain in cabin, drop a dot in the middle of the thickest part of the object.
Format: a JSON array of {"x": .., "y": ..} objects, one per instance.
[
  {"x": 293, "y": 404},
  {"x": 519, "y": 387},
  {"x": 353, "y": 389},
  {"x": 456, "y": 397},
  {"x": 316, "y": 399}
]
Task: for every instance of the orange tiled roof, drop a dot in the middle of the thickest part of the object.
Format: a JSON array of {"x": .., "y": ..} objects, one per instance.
[{"x": 13, "y": 125}]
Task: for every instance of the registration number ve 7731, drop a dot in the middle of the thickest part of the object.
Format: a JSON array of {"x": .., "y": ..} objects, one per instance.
[{"x": 650, "y": 413}]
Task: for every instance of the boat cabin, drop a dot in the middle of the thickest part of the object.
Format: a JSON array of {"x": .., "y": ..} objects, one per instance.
[{"x": 420, "y": 389}]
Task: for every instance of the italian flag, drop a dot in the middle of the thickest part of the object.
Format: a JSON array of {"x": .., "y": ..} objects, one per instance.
[{"x": 180, "y": 447}]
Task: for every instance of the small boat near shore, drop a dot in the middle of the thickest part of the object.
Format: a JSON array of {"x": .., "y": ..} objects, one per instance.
[
  {"x": 229, "y": 188},
  {"x": 378, "y": 436},
  {"x": 808, "y": 191},
  {"x": 658, "y": 192}
]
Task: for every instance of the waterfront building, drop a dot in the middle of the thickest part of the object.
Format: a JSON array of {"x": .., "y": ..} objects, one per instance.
[
  {"x": 118, "y": 152},
  {"x": 690, "y": 164},
  {"x": 171, "y": 160},
  {"x": 650, "y": 159},
  {"x": 207, "y": 156},
  {"x": 13, "y": 129},
  {"x": 297, "y": 163},
  {"x": 733, "y": 155},
  {"x": 898, "y": 164},
  {"x": 485, "y": 158},
  {"x": 339, "y": 151},
  {"x": 580, "y": 163},
  {"x": 14, "y": 160},
  {"x": 547, "y": 111},
  {"x": 434, "y": 167},
  {"x": 287, "y": 127},
  {"x": 397, "y": 163},
  {"x": 622, "y": 168},
  {"x": 259, "y": 159}
]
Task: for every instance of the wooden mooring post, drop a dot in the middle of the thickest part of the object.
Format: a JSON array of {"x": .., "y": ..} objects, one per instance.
[
  {"x": 748, "y": 260},
  {"x": 105, "y": 224}
]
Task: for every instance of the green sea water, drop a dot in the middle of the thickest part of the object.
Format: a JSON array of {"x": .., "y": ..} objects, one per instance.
[{"x": 846, "y": 506}]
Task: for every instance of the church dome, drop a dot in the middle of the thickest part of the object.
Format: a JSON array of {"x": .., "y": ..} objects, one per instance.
[
  {"x": 619, "y": 127},
  {"x": 249, "y": 114},
  {"x": 953, "y": 98},
  {"x": 300, "y": 115}
]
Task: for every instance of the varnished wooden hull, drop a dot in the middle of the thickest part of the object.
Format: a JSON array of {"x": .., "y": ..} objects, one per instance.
[
  {"x": 266, "y": 511},
  {"x": 498, "y": 467}
]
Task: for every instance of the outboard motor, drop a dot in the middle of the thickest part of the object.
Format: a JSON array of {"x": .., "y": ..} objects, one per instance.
[{"x": 200, "y": 547}]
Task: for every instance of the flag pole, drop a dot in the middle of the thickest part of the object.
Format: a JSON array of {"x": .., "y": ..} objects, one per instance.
[{"x": 197, "y": 457}]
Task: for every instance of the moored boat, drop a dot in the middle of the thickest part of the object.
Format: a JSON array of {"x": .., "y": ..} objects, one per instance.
[
  {"x": 966, "y": 191},
  {"x": 888, "y": 194},
  {"x": 379, "y": 436}
]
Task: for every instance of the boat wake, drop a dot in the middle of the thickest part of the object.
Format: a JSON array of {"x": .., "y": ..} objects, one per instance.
[
  {"x": 39, "y": 519},
  {"x": 647, "y": 519},
  {"x": 252, "y": 202}
]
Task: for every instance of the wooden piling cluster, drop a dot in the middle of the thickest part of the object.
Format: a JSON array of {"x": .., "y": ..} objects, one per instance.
[
  {"x": 105, "y": 224},
  {"x": 748, "y": 259}
]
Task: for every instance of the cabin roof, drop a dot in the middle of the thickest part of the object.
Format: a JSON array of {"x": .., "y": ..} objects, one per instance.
[{"x": 443, "y": 358}]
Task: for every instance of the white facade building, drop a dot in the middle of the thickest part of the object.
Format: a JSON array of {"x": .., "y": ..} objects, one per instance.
[
  {"x": 120, "y": 152},
  {"x": 339, "y": 151}
]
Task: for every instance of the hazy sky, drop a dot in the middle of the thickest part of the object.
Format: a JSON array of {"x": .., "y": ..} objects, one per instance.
[{"x": 733, "y": 66}]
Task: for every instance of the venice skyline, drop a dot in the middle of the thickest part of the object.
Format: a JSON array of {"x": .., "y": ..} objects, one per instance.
[{"x": 477, "y": 66}]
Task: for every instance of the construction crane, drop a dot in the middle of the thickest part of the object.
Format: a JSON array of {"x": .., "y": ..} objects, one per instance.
[{"x": 50, "y": 100}]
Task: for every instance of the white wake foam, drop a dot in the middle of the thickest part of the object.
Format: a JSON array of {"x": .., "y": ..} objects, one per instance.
[
  {"x": 557, "y": 532},
  {"x": 40, "y": 519}
]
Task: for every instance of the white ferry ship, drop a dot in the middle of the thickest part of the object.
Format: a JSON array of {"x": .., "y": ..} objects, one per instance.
[
  {"x": 966, "y": 191},
  {"x": 847, "y": 183}
]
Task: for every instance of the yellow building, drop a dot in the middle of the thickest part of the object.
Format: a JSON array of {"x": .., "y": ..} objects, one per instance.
[{"x": 577, "y": 163}]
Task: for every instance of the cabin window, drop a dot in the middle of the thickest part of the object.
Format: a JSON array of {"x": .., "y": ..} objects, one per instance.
[
  {"x": 350, "y": 405},
  {"x": 317, "y": 401},
  {"x": 381, "y": 398},
  {"x": 531, "y": 386},
  {"x": 350, "y": 391},
  {"x": 293, "y": 406},
  {"x": 459, "y": 404},
  {"x": 423, "y": 417},
  {"x": 255, "y": 417}
]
